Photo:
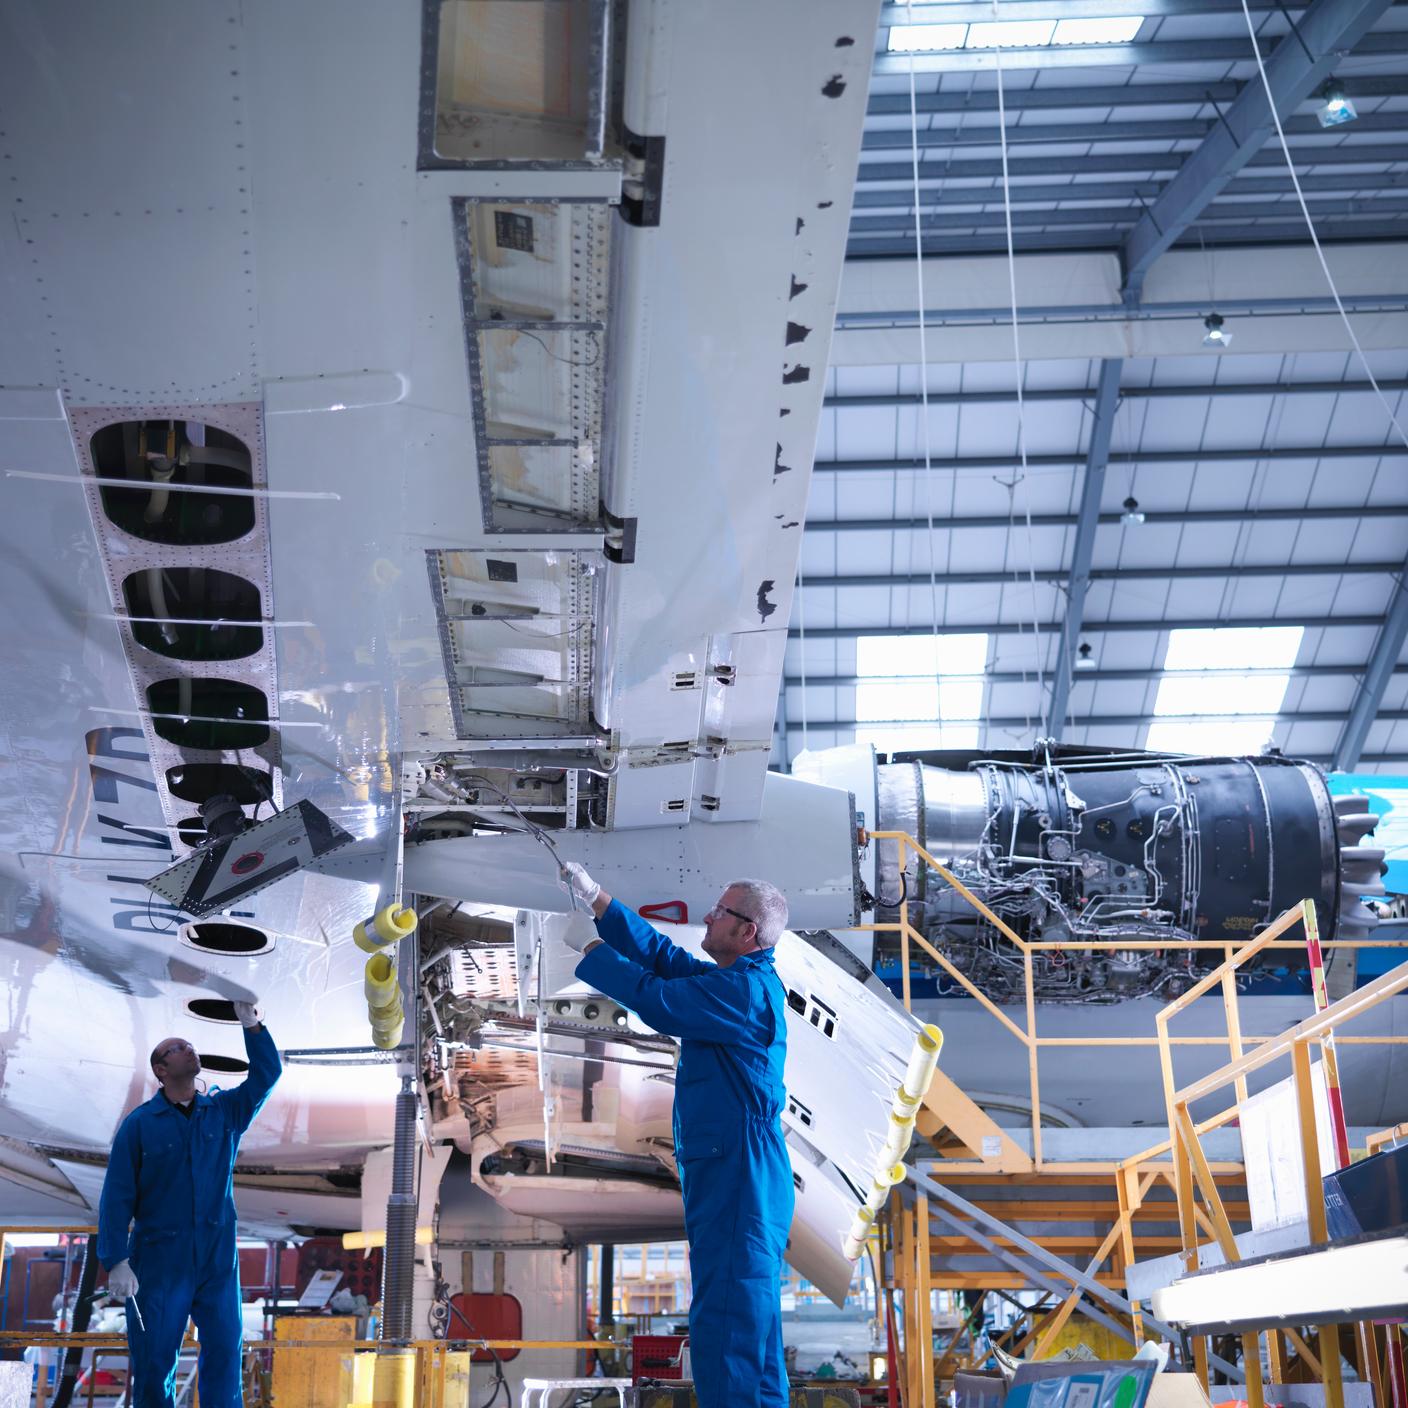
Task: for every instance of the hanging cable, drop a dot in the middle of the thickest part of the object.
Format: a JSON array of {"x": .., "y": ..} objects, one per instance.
[
  {"x": 1017, "y": 367},
  {"x": 1310, "y": 226},
  {"x": 923, "y": 368},
  {"x": 801, "y": 655}
]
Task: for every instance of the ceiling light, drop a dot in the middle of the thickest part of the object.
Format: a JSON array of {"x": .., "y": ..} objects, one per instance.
[
  {"x": 1116, "y": 29},
  {"x": 1218, "y": 338},
  {"x": 1010, "y": 34},
  {"x": 1335, "y": 109},
  {"x": 926, "y": 38},
  {"x": 1132, "y": 512},
  {"x": 1084, "y": 659}
]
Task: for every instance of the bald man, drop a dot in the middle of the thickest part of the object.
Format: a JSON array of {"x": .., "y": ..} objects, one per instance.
[{"x": 167, "y": 1216}]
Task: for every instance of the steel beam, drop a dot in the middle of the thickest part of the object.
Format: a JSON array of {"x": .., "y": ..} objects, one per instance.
[
  {"x": 1115, "y": 95},
  {"x": 1136, "y": 55},
  {"x": 1049, "y": 575},
  {"x": 977, "y": 11},
  {"x": 939, "y": 192},
  {"x": 1381, "y": 668},
  {"x": 1311, "y": 513},
  {"x": 1019, "y": 628},
  {"x": 1237, "y": 212},
  {"x": 1325, "y": 32},
  {"x": 1172, "y": 309},
  {"x": 1341, "y": 672},
  {"x": 1169, "y": 129},
  {"x": 1128, "y": 393},
  {"x": 1250, "y": 455},
  {"x": 1092, "y": 241},
  {"x": 1103, "y": 163},
  {"x": 1396, "y": 761},
  {"x": 1132, "y": 720}
]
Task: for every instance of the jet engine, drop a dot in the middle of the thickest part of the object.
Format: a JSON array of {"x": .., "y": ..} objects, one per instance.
[{"x": 1096, "y": 846}]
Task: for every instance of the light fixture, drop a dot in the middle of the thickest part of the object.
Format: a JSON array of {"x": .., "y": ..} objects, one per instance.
[
  {"x": 879, "y": 1367},
  {"x": 1335, "y": 109},
  {"x": 1132, "y": 514},
  {"x": 1217, "y": 337},
  {"x": 1084, "y": 658},
  {"x": 1012, "y": 34}
]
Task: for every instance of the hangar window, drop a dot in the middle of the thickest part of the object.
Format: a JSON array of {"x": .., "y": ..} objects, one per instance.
[
  {"x": 217, "y": 715},
  {"x": 194, "y": 782},
  {"x": 917, "y": 692},
  {"x": 176, "y": 468},
  {"x": 206, "y": 608},
  {"x": 1223, "y": 688}
]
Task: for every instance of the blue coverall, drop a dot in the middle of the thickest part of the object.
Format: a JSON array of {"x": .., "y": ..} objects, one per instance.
[
  {"x": 734, "y": 1170},
  {"x": 171, "y": 1176}
]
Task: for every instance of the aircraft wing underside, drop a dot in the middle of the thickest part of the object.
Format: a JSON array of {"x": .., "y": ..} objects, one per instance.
[{"x": 378, "y": 437}]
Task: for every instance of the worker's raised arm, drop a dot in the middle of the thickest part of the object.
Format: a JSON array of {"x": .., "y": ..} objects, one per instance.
[
  {"x": 709, "y": 1004},
  {"x": 246, "y": 1100},
  {"x": 624, "y": 931}
]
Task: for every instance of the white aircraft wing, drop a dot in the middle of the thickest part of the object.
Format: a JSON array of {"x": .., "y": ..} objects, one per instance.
[{"x": 369, "y": 409}]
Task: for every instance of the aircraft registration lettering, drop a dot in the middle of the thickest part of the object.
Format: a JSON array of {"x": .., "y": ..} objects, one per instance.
[{"x": 140, "y": 912}]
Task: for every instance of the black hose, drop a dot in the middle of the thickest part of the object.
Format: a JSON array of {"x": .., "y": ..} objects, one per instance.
[
  {"x": 82, "y": 1317},
  {"x": 904, "y": 894}
]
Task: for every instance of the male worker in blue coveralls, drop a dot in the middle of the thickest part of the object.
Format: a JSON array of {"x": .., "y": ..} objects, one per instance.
[
  {"x": 171, "y": 1177},
  {"x": 730, "y": 1016}
]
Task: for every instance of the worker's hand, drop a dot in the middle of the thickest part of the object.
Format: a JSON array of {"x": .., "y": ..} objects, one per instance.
[
  {"x": 578, "y": 935},
  {"x": 248, "y": 1014},
  {"x": 579, "y": 884},
  {"x": 122, "y": 1281}
]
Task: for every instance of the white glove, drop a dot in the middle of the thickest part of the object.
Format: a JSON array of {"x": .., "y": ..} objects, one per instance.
[
  {"x": 579, "y": 932},
  {"x": 248, "y": 1014},
  {"x": 579, "y": 884},
  {"x": 122, "y": 1281}
]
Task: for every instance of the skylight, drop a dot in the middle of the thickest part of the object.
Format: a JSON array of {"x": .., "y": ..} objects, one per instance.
[
  {"x": 1238, "y": 671},
  {"x": 922, "y": 691},
  {"x": 926, "y": 38},
  {"x": 1012, "y": 34}
]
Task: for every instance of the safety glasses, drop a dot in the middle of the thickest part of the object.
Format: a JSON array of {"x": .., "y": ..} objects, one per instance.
[{"x": 724, "y": 909}]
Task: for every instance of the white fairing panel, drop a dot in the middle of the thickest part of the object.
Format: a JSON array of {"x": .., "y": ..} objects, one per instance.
[{"x": 804, "y": 842}]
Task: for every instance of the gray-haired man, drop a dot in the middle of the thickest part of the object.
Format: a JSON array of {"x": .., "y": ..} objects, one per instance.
[{"x": 730, "y": 1016}]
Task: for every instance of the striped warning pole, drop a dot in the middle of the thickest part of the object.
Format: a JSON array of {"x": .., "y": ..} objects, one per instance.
[{"x": 1327, "y": 1041}]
